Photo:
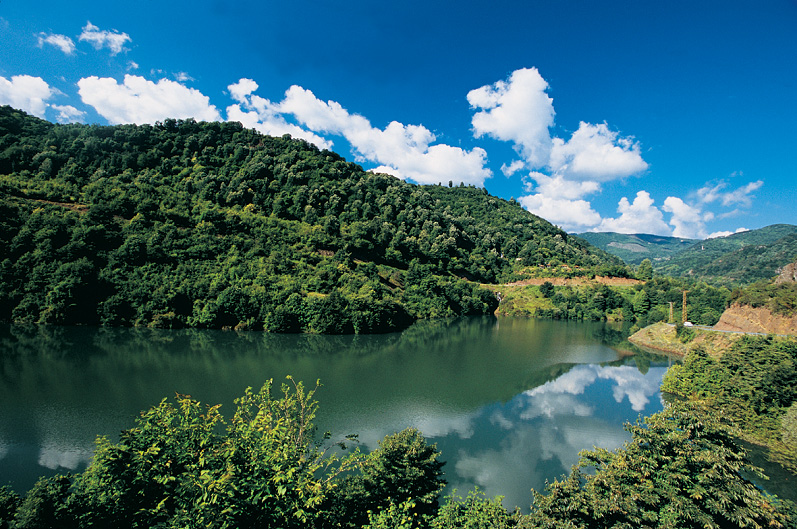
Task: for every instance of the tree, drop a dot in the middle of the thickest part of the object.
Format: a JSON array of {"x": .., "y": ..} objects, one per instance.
[
  {"x": 404, "y": 470},
  {"x": 175, "y": 469},
  {"x": 547, "y": 289},
  {"x": 680, "y": 469},
  {"x": 644, "y": 271}
]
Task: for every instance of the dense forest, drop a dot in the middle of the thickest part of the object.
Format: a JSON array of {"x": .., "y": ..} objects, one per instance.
[
  {"x": 184, "y": 465},
  {"x": 213, "y": 225},
  {"x": 735, "y": 260}
]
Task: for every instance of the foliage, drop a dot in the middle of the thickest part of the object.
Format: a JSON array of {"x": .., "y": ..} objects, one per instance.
[
  {"x": 684, "y": 333},
  {"x": 9, "y": 503},
  {"x": 180, "y": 467},
  {"x": 476, "y": 511},
  {"x": 44, "y": 505},
  {"x": 643, "y": 304},
  {"x": 680, "y": 469},
  {"x": 645, "y": 270},
  {"x": 268, "y": 470},
  {"x": 752, "y": 384},
  {"x": 403, "y": 469},
  {"x": 780, "y": 298},
  {"x": 186, "y": 224},
  {"x": 789, "y": 427}
]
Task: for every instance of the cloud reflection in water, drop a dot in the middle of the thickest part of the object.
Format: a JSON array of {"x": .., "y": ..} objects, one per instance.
[{"x": 537, "y": 435}]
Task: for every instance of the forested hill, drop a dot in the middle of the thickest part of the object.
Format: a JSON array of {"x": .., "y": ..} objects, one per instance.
[
  {"x": 738, "y": 259},
  {"x": 213, "y": 225}
]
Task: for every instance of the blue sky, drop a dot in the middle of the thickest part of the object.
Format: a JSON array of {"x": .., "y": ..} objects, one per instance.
[{"x": 675, "y": 118}]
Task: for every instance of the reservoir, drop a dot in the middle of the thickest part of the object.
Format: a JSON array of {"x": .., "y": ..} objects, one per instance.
[{"x": 510, "y": 402}]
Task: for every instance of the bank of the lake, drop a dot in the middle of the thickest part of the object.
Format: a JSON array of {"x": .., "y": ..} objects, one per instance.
[
  {"x": 509, "y": 401},
  {"x": 663, "y": 337}
]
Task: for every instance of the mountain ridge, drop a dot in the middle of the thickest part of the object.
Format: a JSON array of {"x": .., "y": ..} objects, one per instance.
[{"x": 733, "y": 260}]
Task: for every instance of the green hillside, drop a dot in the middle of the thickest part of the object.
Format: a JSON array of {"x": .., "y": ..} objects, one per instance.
[
  {"x": 635, "y": 248},
  {"x": 213, "y": 225},
  {"x": 737, "y": 259}
]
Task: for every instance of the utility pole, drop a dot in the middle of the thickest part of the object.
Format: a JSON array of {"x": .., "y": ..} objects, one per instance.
[
  {"x": 671, "y": 319},
  {"x": 684, "y": 308}
]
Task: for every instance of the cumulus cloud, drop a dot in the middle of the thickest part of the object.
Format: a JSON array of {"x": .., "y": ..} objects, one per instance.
[
  {"x": 557, "y": 186},
  {"x": 405, "y": 151},
  {"x": 68, "y": 114},
  {"x": 138, "y": 100},
  {"x": 570, "y": 215},
  {"x": 519, "y": 110},
  {"x": 687, "y": 221},
  {"x": 595, "y": 153},
  {"x": 640, "y": 216},
  {"x": 26, "y": 93},
  {"x": 113, "y": 40},
  {"x": 261, "y": 114},
  {"x": 62, "y": 42}
]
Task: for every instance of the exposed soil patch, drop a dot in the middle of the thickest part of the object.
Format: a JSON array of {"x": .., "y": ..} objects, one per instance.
[
  {"x": 577, "y": 281},
  {"x": 80, "y": 208}
]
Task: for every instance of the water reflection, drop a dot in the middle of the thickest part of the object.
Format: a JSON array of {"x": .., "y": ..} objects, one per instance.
[
  {"x": 537, "y": 435},
  {"x": 510, "y": 402}
]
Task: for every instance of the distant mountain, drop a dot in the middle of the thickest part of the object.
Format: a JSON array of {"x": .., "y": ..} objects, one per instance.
[
  {"x": 737, "y": 259},
  {"x": 634, "y": 248}
]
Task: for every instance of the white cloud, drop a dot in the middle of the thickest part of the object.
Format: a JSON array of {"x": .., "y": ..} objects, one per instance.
[
  {"x": 113, "y": 40},
  {"x": 742, "y": 196},
  {"x": 182, "y": 77},
  {"x": 595, "y": 153},
  {"x": 62, "y": 42},
  {"x": 570, "y": 215},
  {"x": 557, "y": 186},
  {"x": 26, "y": 93},
  {"x": 718, "y": 234},
  {"x": 518, "y": 110},
  {"x": 241, "y": 90},
  {"x": 138, "y": 100},
  {"x": 68, "y": 113},
  {"x": 687, "y": 221},
  {"x": 513, "y": 168},
  {"x": 641, "y": 216},
  {"x": 403, "y": 150},
  {"x": 262, "y": 115}
]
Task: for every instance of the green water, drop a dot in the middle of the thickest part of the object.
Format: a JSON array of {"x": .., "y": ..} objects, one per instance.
[{"x": 510, "y": 402}]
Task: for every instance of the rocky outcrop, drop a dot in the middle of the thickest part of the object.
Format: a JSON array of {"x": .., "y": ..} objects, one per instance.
[
  {"x": 788, "y": 274},
  {"x": 748, "y": 319}
]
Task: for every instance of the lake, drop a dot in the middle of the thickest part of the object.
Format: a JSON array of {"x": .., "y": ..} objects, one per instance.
[{"x": 509, "y": 402}]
